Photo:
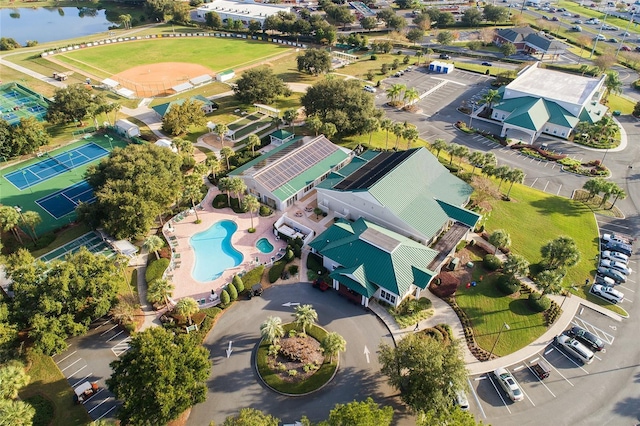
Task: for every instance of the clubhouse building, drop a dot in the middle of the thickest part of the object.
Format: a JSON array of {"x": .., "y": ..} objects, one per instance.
[{"x": 243, "y": 11}]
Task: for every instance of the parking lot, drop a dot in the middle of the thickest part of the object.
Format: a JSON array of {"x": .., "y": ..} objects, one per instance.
[
  {"x": 88, "y": 358},
  {"x": 488, "y": 400}
]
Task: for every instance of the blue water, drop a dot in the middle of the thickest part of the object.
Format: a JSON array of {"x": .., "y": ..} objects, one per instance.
[
  {"x": 264, "y": 245},
  {"x": 214, "y": 252}
]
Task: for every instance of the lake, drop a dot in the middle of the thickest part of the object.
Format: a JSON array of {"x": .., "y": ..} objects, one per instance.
[{"x": 52, "y": 23}]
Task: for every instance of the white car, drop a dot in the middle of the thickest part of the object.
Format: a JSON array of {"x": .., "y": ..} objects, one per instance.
[
  {"x": 612, "y": 273},
  {"x": 614, "y": 255},
  {"x": 618, "y": 266},
  {"x": 608, "y": 293},
  {"x": 509, "y": 384},
  {"x": 575, "y": 348},
  {"x": 600, "y": 37},
  {"x": 370, "y": 89}
]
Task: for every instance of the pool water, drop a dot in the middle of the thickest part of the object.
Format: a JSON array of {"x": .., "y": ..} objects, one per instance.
[
  {"x": 264, "y": 245},
  {"x": 214, "y": 251}
]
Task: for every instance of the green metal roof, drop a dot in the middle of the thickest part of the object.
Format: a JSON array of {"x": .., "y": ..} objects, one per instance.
[
  {"x": 465, "y": 216},
  {"x": 533, "y": 118},
  {"x": 593, "y": 113},
  {"x": 372, "y": 257},
  {"x": 163, "y": 109},
  {"x": 281, "y": 134},
  {"x": 513, "y": 104},
  {"x": 560, "y": 116}
]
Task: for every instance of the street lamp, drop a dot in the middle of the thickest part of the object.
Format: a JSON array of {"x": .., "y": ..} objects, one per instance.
[
  {"x": 473, "y": 109},
  {"x": 504, "y": 326},
  {"x": 110, "y": 141}
]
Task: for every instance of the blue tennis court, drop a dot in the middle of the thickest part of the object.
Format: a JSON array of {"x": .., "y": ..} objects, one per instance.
[
  {"x": 65, "y": 201},
  {"x": 51, "y": 167}
]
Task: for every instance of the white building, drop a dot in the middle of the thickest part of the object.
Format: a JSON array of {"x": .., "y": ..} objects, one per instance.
[
  {"x": 245, "y": 11},
  {"x": 547, "y": 101}
]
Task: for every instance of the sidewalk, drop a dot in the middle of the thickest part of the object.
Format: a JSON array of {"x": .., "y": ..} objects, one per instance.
[{"x": 150, "y": 317}]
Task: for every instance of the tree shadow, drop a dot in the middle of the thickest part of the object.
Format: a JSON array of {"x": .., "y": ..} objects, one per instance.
[
  {"x": 568, "y": 207},
  {"x": 521, "y": 307}
]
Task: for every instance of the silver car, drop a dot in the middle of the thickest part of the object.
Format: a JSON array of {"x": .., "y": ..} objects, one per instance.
[{"x": 509, "y": 384}]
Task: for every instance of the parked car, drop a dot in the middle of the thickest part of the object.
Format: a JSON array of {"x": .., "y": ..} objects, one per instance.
[
  {"x": 637, "y": 49},
  {"x": 461, "y": 400},
  {"x": 574, "y": 348},
  {"x": 608, "y": 293},
  {"x": 541, "y": 369},
  {"x": 626, "y": 48},
  {"x": 626, "y": 34},
  {"x": 612, "y": 273},
  {"x": 578, "y": 21},
  {"x": 606, "y": 281},
  {"x": 487, "y": 64},
  {"x": 508, "y": 384},
  {"x": 555, "y": 18},
  {"x": 444, "y": 56},
  {"x": 625, "y": 249},
  {"x": 576, "y": 28},
  {"x": 614, "y": 255},
  {"x": 370, "y": 89},
  {"x": 613, "y": 40},
  {"x": 618, "y": 266},
  {"x": 618, "y": 238},
  {"x": 587, "y": 338},
  {"x": 600, "y": 37}
]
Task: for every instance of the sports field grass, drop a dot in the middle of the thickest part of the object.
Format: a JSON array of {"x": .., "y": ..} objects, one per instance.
[
  {"x": 214, "y": 53},
  {"x": 11, "y": 196}
]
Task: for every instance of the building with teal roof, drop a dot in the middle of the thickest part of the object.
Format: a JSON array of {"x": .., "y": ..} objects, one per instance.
[
  {"x": 367, "y": 261},
  {"x": 287, "y": 173},
  {"x": 547, "y": 101},
  {"x": 408, "y": 192},
  {"x": 208, "y": 106}
]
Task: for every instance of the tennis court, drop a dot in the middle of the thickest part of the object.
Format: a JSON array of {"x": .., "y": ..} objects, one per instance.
[
  {"x": 51, "y": 167},
  {"x": 65, "y": 201},
  {"x": 18, "y": 102},
  {"x": 91, "y": 240}
]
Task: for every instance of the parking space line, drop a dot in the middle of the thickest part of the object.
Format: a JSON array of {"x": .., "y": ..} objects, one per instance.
[
  {"x": 556, "y": 370},
  {"x": 121, "y": 331},
  {"x": 107, "y": 412},
  {"x": 89, "y": 411},
  {"x": 81, "y": 380},
  {"x": 545, "y": 187},
  {"x": 572, "y": 360},
  {"x": 70, "y": 365},
  {"x": 105, "y": 332},
  {"x": 499, "y": 393},
  {"x": 103, "y": 324},
  {"x": 71, "y": 354},
  {"x": 73, "y": 374},
  {"x": 558, "y": 193},
  {"x": 598, "y": 331},
  {"x": 475, "y": 396},
  {"x": 540, "y": 380},
  {"x": 628, "y": 289}
]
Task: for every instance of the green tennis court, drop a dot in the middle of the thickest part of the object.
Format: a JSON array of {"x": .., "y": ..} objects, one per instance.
[
  {"x": 91, "y": 240},
  {"x": 17, "y": 101},
  {"x": 26, "y": 198}
]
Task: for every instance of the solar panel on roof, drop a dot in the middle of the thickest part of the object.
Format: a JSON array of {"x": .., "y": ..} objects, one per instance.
[{"x": 374, "y": 170}]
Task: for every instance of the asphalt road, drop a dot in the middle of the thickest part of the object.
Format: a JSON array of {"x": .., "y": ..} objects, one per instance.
[{"x": 234, "y": 384}]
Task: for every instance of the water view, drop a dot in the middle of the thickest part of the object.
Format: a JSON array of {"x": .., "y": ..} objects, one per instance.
[{"x": 52, "y": 23}]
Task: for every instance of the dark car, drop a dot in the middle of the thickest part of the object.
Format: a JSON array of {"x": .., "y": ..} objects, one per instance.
[
  {"x": 591, "y": 340},
  {"x": 444, "y": 56},
  {"x": 487, "y": 64},
  {"x": 555, "y": 18}
]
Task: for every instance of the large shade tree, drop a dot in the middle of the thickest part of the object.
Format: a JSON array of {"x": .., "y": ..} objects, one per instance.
[
  {"x": 365, "y": 413},
  {"x": 314, "y": 61},
  {"x": 560, "y": 253},
  {"x": 182, "y": 116},
  {"x": 23, "y": 138},
  {"x": 260, "y": 85},
  {"x": 342, "y": 103},
  {"x": 159, "y": 377},
  {"x": 132, "y": 187},
  {"x": 72, "y": 104}
]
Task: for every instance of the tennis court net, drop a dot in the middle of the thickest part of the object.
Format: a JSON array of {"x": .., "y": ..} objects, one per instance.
[{"x": 59, "y": 162}]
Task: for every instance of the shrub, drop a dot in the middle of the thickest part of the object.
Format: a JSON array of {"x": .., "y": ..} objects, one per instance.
[
  {"x": 233, "y": 293},
  {"x": 253, "y": 277},
  {"x": 507, "y": 284},
  {"x": 425, "y": 303},
  {"x": 289, "y": 256},
  {"x": 251, "y": 230},
  {"x": 264, "y": 210},
  {"x": 225, "y": 299},
  {"x": 276, "y": 270},
  {"x": 537, "y": 303},
  {"x": 220, "y": 201},
  {"x": 155, "y": 269},
  {"x": 491, "y": 262},
  {"x": 373, "y": 57},
  {"x": 238, "y": 284},
  {"x": 293, "y": 269}
]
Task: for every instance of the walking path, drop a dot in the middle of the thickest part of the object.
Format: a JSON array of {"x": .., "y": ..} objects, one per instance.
[{"x": 150, "y": 316}]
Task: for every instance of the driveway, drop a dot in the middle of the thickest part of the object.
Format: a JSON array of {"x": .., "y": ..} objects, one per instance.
[{"x": 234, "y": 384}]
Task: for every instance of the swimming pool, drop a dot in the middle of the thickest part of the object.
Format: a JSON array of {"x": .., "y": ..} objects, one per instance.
[
  {"x": 214, "y": 251},
  {"x": 264, "y": 245}
]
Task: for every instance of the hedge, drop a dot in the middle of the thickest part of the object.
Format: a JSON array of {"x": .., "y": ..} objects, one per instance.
[
  {"x": 238, "y": 284},
  {"x": 253, "y": 277},
  {"x": 537, "y": 303},
  {"x": 491, "y": 262},
  {"x": 276, "y": 270},
  {"x": 155, "y": 269},
  {"x": 507, "y": 284}
]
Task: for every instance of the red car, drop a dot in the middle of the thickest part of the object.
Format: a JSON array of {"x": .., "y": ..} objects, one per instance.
[
  {"x": 626, "y": 48},
  {"x": 320, "y": 285}
]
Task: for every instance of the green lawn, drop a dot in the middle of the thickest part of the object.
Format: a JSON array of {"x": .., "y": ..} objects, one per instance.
[
  {"x": 214, "y": 53},
  {"x": 618, "y": 103},
  {"x": 488, "y": 309},
  {"x": 47, "y": 380}
]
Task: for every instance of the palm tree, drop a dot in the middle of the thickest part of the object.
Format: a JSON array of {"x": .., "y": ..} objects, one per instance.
[
  {"x": 411, "y": 134},
  {"x": 192, "y": 191},
  {"x": 31, "y": 219},
  {"x": 371, "y": 124},
  {"x": 612, "y": 84},
  {"x": 186, "y": 307},
  {"x": 160, "y": 290},
  {"x": 594, "y": 186},
  {"x": 251, "y": 204},
  {"x": 252, "y": 142},
  {"x": 386, "y": 124},
  {"x": 227, "y": 153},
  {"x": 410, "y": 96},
  {"x": 305, "y": 316},
  {"x": 16, "y": 413},
  {"x": 499, "y": 239},
  {"x": 153, "y": 244},
  {"x": 398, "y": 130},
  {"x": 123, "y": 312},
  {"x": 501, "y": 173},
  {"x": 514, "y": 176},
  {"x": 332, "y": 344},
  {"x": 289, "y": 116},
  {"x": 477, "y": 160},
  {"x": 221, "y": 130},
  {"x": 607, "y": 190},
  {"x": 516, "y": 266},
  {"x": 225, "y": 185},
  {"x": 461, "y": 152},
  {"x": 213, "y": 164},
  {"x": 12, "y": 379},
  {"x": 183, "y": 146},
  {"x": 9, "y": 220},
  {"x": 490, "y": 97},
  {"x": 395, "y": 91},
  {"x": 271, "y": 330},
  {"x": 451, "y": 149},
  {"x": 238, "y": 187},
  {"x": 620, "y": 195},
  {"x": 125, "y": 20},
  {"x": 439, "y": 145},
  {"x": 490, "y": 159},
  {"x": 549, "y": 282}
]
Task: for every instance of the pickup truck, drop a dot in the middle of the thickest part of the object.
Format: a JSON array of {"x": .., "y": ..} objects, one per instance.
[
  {"x": 541, "y": 369},
  {"x": 619, "y": 238}
]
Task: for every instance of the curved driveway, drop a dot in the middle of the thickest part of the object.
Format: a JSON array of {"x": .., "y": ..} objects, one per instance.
[{"x": 234, "y": 385}]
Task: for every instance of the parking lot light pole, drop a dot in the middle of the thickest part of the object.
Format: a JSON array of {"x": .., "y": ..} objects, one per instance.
[{"x": 504, "y": 326}]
